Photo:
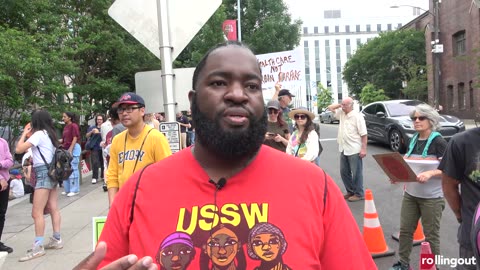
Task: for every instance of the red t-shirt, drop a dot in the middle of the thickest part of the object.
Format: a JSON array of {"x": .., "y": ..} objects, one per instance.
[
  {"x": 270, "y": 215},
  {"x": 69, "y": 132}
]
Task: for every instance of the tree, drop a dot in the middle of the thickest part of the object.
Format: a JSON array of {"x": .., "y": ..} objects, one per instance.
[
  {"x": 371, "y": 94},
  {"x": 324, "y": 97},
  {"x": 386, "y": 61}
]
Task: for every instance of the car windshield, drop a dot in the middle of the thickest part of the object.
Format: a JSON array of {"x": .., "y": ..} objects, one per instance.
[{"x": 402, "y": 108}]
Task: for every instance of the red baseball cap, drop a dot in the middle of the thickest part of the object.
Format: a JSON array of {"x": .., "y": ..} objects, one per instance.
[{"x": 129, "y": 98}]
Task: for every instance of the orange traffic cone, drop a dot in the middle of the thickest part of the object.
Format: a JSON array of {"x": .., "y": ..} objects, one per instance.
[
  {"x": 372, "y": 231},
  {"x": 427, "y": 259},
  {"x": 418, "y": 236}
]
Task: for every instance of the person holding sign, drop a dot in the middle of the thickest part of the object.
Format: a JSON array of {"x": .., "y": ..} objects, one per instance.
[
  {"x": 423, "y": 198},
  {"x": 285, "y": 98},
  {"x": 135, "y": 147}
]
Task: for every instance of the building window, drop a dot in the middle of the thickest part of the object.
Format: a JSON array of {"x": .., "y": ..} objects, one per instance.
[
  {"x": 472, "y": 98},
  {"x": 326, "y": 29},
  {"x": 337, "y": 29},
  {"x": 337, "y": 42},
  {"x": 379, "y": 28},
  {"x": 451, "y": 103},
  {"x": 389, "y": 27},
  {"x": 332, "y": 14},
  {"x": 357, "y": 28},
  {"x": 368, "y": 28},
  {"x": 305, "y": 44},
  {"x": 359, "y": 42},
  {"x": 315, "y": 30},
  {"x": 461, "y": 96},
  {"x": 347, "y": 28},
  {"x": 305, "y": 30},
  {"x": 459, "y": 43},
  {"x": 399, "y": 26}
]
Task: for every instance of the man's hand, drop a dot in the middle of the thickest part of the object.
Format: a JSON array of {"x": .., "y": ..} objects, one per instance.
[
  {"x": 363, "y": 153},
  {"x": 4, "y": 184},
  {"x": 129, "y": 262},
  {"x": 278, "y": 87},
  {"x": 424, "y": 177}
]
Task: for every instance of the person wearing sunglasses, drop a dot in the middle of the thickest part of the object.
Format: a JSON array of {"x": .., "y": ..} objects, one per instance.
[
  {"x": 277, "y": 129},
  {"x": 352, "y": 145},
  {"x": 304, "y": 140},
  {"x": 424, "y": 198}
]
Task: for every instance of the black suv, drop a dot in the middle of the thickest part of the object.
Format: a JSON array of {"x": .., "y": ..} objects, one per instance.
[{"x": 389, "y": 122}]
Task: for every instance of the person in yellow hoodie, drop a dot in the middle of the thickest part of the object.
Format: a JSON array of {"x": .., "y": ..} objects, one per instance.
[{"x": 134, "y": 148}]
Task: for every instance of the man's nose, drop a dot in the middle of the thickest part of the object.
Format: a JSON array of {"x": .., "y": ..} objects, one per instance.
[{"x": 237, "y": 93}]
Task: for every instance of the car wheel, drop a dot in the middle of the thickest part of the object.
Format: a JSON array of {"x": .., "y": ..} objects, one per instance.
[
  {"x": 329, "y": 120},
  {"x": 396, "y": 141},
  {"x": 321, "y": 119}
]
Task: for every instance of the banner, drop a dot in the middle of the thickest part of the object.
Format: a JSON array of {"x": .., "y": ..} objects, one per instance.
[{"x": 229, "y": 28}]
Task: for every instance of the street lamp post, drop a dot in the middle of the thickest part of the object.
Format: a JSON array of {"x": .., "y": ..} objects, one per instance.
[{"x": 437, "y": 49}]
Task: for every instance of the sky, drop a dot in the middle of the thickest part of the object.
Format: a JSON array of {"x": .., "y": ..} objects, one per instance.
[{"x": 308, "y": 10}]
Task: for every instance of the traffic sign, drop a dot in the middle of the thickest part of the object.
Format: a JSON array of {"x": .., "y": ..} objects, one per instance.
[
  {"x": 171, "y": 130},
  {"x": 140, "y": 19}
]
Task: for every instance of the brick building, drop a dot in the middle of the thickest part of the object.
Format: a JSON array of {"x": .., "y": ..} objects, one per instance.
[{"x": 459, "y": 24}]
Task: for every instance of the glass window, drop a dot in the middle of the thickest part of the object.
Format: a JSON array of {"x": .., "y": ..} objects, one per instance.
[
  {"x": 471, "y": 95},
  {"x": 337, "y": 29},
  {"x": 357, "y": 28},
  {"x": 326, "y": 29},
  {"x": 305, "y": 30},
  {"x": 461, "y": 96},
  {"x": 368, "y": 28},
  {"x": 450, "y": 97},
  {"x": 389, "y": 27},
  {"x": 347, "y": 28},
  {"x": 379, "y": 28},
  {"x": 459, "y": 41},
  {"x": 315, "y": 30},
  {"x": 402, "y": 108},
  {"x": 370, "y": 109},
  {"x": 337, "y": 42}
]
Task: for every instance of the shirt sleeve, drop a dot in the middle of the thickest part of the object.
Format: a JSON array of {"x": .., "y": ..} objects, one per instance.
[
  {"x": 453, "y": 161},
  {"x": 76, "y": 132},
  {"x": 338, "y": 112},
  {"x": 343, "y": 241},
  {"x": 7, "y": 160},
  {"x": 312, "y": 146},
  {"x": 112, "y": 171},
  {"x": 361, "y": 126},
  {"x": 289, "y": 146},
  {"x": 440, "y": 146},
  {"x": 34, "y": 139},
  {"x": 163, "y": 150}
]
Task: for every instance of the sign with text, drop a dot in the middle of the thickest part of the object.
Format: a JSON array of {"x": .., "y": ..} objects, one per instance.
[
  {"x": 395, "y": 167},
  {"x": 97, "y": 224},
  {"x": 286, "y": 67},
  {"x": 171, "y": 130}
]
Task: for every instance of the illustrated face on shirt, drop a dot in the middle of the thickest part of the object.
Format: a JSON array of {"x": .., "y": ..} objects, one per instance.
[
  {"x": 266, "y": 246},
  {"x": 176, "y": 256},
  {"x": 222, "y": 247}
]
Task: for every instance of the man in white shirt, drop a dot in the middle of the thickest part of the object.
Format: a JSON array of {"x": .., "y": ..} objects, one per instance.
[
  {"x": 16, "y": 185},
  {"x": 352, "y": 144}
]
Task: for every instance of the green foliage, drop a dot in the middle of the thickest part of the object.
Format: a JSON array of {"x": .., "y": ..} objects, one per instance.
[
  {"x": 386, "y": 61},
  {"x": 370, "y": 94},
  {"x": 324, "y": 97}
]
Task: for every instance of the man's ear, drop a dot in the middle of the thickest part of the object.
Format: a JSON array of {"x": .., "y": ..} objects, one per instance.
[{"x": 191, "y": 95}]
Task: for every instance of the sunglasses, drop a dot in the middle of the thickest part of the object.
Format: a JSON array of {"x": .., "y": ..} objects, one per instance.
[
  {"x": 420, "y": 118},
  {"x": 300, "y": 116},
  {"x": 272, "y": 111}
]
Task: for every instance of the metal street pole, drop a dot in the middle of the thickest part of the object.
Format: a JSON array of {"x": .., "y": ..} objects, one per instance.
[
  {"x": 166, "y": 58},
  {"x": 436, "y": 57},
  {"x": 239, "y": 21}
]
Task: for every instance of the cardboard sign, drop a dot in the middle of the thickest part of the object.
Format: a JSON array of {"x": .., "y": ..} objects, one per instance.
[
  {"x": 286, "y": 68},
  {"x": 97, "y": 225},
  {"x": 395, "y": 167},
  {"x": 171, "y": 130}
]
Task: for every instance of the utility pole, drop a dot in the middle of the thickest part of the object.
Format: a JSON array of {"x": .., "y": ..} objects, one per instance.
[
  {"x": 436, "y": 55},
  {"x": 239, "y": 14}
]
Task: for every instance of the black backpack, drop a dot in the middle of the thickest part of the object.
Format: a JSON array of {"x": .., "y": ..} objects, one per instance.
[{"x": 60, "y": 168}]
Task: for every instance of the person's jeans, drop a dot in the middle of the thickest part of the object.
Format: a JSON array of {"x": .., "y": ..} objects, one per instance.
[
  {"x": 97, "y": 163},
  {"x": 430, "y": 210},
  {"x": 191, "y": 137},
  {"x": 72, "y": 184},
  {"x": 3, "y": 207},
  {"x": 317, "y": 161},
  {"x": 467, "y": 254},
  {"x": 351, "y": 170}
]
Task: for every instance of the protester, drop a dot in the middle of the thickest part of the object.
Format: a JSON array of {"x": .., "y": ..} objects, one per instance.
[
  {"x": 231, "y": 180},
  {"x": 16, "y": 185},
  {"x": 190, "y": 130},
  {"x": 352, "y": 145},
  {"x": 135, "y": 147},
  {"x": 151, "y": 121},
  {"x": 277, "y": 135},
  {"x": 304, "y": 141},
  {"x": 460, "y": 168},
  {"x": 424, "y": 198},
  {"x": 184, "y": 124},
  {"x": 6, "y": 162},
  {"x": 42, "y": 142},
  {"x": 70, "y": 141},
  {"x": 285, "y": 98},
  {"x": 105, "y": 128},
  {"x": 94, "y": 136},
  {"x": 117, "y": 128}
]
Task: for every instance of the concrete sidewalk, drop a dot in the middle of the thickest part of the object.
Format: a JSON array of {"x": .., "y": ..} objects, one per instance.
[{"x": 76, "y": 229}]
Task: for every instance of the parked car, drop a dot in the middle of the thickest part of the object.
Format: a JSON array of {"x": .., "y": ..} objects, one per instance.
[
  {"x": 327, "y": 117},
  {"x": 389, "y": 122}
]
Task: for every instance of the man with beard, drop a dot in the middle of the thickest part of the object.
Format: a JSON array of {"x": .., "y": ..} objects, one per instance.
[{"x": 229, "y": 178}]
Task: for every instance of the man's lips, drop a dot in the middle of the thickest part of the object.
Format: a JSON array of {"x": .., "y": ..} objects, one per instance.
[{"x": 236, "y": 116}]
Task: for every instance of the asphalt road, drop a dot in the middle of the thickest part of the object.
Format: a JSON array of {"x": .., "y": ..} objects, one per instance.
[{"x": 387, "y": 197}]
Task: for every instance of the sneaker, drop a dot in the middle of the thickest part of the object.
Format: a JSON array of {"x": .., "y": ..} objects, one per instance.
[
  {"x": 70, "y": 194},
  {"x": 94, "y": 181},
  {"x": 105, "y": 189},
  {"x": 400, "y": 266},
  {"x": 5, "y": 248},
  {"x": 64, "y": 193},
  {"x": 35, "y": 252},
  {"x": 54, "y": 244},
  {"x": 354, "y": 198},
  {"x": 347, "y": 195}
]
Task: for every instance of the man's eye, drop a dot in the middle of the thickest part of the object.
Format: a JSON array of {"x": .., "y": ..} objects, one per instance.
[
  {"x": 253, "y": 86},
  {"x": 218, "y": 83}
]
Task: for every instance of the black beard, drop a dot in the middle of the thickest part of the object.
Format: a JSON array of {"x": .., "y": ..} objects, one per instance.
[{"x": 228, "y": 144}]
